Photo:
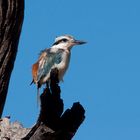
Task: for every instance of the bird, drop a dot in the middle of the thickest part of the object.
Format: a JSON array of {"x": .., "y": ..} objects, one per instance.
[{"x": 57, "y": 56}]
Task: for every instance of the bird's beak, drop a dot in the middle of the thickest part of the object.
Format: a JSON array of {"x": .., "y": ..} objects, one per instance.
[{"x": 79, "y": 42}]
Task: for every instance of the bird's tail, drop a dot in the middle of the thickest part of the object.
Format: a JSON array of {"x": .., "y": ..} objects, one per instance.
[{"x": 38, "y": 94}]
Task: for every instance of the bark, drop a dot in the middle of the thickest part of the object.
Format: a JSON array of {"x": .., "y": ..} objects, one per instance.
[{"x": 11, "y": 19}]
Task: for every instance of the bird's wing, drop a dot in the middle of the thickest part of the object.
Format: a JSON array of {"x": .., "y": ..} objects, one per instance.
[
  {"x": 47, "y": 60},
  {"x": 34, "y": 72}
]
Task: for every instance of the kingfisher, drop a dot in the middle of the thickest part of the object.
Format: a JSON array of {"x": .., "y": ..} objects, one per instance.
[{"x": 57, "y": 56}]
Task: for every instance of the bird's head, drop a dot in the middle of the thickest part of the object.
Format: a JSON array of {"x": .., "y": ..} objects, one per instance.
[{"x": 66, "y": 42}]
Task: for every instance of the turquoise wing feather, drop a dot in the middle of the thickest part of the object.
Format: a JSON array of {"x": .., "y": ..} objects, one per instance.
[{"x": 49, "y": 59}]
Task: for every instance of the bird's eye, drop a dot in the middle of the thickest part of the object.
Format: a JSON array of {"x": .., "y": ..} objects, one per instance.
[
  {"x": 60, "y": 41},
  {"x": 64, "y": 40}
]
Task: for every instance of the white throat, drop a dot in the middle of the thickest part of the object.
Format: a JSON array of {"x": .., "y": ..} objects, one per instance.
[{"x": 61, "y": 46}]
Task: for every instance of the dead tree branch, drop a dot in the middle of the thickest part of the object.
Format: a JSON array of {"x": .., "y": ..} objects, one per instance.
[{"x": 52, "y": 123}]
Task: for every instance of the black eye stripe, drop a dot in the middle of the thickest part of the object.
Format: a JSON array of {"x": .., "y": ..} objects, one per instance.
[
  {"x": 64, "y": 40},
  {"x": 59, "y": 41}
]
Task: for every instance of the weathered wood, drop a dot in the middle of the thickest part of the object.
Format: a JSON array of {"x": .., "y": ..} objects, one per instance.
[
  {"x": 11, "y": 19},
  {"x": 12, "y": 130},
  {"x": 52, "y": 124}
]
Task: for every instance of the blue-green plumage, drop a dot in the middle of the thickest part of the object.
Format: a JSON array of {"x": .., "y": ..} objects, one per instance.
[{"x": 50, "y": 58}]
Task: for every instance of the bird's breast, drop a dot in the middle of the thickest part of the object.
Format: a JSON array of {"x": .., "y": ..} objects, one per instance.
[{"x": 63, "y": 65}]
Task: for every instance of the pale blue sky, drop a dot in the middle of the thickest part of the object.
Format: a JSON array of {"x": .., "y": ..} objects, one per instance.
[{"x": 104, "y": 74}]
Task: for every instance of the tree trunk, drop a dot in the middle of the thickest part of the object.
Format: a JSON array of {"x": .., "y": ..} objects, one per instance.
[{"x": 11, "y": 19}]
